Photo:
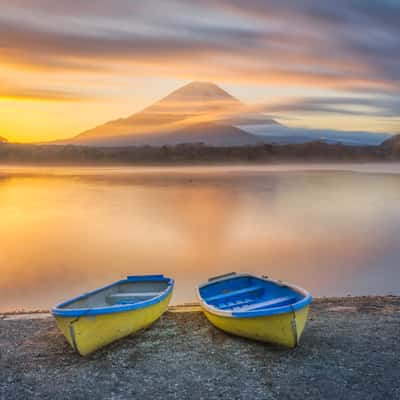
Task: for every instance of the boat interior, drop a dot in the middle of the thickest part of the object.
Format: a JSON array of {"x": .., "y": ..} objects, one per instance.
[
  {"x": 121, "y": 293},
  {"x": 248, "y": 293}
]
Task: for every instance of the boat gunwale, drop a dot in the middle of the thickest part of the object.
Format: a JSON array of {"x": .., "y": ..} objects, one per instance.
[
  {"x": 59, "y": 311},
  {"x": 298, "y": 305}
]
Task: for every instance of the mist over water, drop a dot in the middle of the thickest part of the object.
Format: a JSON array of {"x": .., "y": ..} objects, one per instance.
[{"x": 334, "y": 230}]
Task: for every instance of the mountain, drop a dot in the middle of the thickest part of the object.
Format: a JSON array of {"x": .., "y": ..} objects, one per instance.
[
  {"x": 196, "y": 112},
  {"x": 202, "y": 112}
]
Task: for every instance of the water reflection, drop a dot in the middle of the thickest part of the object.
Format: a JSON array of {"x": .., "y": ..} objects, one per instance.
[{"x": 67, "y": 230}]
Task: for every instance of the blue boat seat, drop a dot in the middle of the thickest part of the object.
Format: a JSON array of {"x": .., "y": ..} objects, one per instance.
[
  {"x": 126, "y": 298},
  {"x": 277, "y": 302},
  {"x": 238, "y": 303},
  {"x": 239, "y": 292}
]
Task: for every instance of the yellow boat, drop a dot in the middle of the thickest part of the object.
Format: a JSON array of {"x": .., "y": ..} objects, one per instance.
[
  {"x": 255, "y": 307},
  {"x": 105, "y": 315}
]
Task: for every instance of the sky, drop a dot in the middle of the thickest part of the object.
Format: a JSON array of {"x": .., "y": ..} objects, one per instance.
[{"x": 67, "y": 66}]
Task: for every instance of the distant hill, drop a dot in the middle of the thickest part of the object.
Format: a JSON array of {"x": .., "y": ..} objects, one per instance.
[
  {"x": 278, "y": 134},
  {"x": 392, "y": 147},
  {"x": 3, "y": 140},
  {"x": 196, "y": 112},
  {"x": 196, "y": 153}
]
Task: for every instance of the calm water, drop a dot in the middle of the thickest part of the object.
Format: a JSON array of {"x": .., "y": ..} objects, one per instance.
[{"x": 333, "y": 230}]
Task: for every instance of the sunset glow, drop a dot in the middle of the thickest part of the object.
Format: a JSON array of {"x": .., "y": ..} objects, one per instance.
[{"x": 66, "y": 67}]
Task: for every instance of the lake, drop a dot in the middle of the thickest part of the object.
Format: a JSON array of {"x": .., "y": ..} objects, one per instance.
[{"x": 333, "y": 229}]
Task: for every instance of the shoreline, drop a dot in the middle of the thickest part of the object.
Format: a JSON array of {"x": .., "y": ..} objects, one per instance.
[
  {"x": 349, "y": 349},
  {"x": 317, "y": 150},
  {"x": 194, "y": 306},
  {"x": 39, "y": 314}
]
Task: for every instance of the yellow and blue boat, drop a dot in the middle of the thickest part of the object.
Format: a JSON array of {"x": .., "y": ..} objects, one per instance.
[
  {"x": 257, "y": 308},
  {"x": 105, "y": 315}
]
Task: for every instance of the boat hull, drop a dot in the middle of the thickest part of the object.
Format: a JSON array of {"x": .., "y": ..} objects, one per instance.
[
  {"x": 87, "y": 334},
  {"x": 282, "y": 329}
]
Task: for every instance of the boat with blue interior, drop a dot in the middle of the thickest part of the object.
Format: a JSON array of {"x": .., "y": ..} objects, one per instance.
[{"x": 255, "y": 307}]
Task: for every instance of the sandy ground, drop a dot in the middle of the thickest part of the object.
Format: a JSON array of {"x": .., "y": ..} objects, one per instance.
[{"x": 350, "y": 350}]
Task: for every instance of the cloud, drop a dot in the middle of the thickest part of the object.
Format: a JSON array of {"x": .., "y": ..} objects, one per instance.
[
  {"x": 17, "y": 92},
  {"x": 358, "y": 106},
  {"x": 351, "y": 44},
  {"x": 350, "y": 47}
]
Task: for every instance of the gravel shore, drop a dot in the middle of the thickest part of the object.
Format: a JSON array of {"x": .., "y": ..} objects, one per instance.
[{"x": 350, "y": 350}]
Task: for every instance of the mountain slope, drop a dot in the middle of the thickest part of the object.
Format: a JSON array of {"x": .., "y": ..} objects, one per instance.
[{"x": 207, "y": 133}]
